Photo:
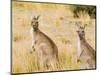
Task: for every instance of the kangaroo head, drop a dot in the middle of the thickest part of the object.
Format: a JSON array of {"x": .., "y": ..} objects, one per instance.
[
  {"x": 35, "y": 23},
  {"x": 81, "y": 31}
]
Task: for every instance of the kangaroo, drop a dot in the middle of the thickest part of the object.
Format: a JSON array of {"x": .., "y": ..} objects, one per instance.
[
  {"x": 46, "y": 49},
  {"x": 85, "y": 52}
]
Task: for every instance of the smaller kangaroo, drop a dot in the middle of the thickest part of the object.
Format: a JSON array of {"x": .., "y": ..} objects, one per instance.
[
  {"x": 46, "y": 49},
  {"x": 85, "y": 52}
]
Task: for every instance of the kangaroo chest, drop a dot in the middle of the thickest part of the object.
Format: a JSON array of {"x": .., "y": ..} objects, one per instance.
[
  {"x": 33, "y": 36},
  {"x": 79, "y": 50}
]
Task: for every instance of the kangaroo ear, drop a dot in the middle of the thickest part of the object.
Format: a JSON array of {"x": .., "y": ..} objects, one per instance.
[
  {"x": 78, "y": 24},
  {"x": 34, "y": 18},
  {"x": 85, "y": 26},
  {"x": 38, "y": 17}
]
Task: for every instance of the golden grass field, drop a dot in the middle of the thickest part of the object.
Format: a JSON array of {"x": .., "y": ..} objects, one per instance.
[{"x": 57, "y": 22}]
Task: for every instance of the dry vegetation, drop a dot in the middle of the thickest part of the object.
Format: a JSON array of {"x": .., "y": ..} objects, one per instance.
[{"x": 58, "y": 23}]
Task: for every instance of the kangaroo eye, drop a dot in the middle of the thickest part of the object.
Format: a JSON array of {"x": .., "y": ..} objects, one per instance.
[
  {"x": 37, "y": 22},
  {"x": 83, "y": 31}
]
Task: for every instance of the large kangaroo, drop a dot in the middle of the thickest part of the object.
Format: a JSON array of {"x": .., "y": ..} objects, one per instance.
[
  {"x": 86, "y": 53},
  {"x": 46, "y": 49}
]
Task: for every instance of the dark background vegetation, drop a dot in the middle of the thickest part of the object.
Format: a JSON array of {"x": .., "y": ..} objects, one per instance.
[{"x": 90, "y": 10}]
